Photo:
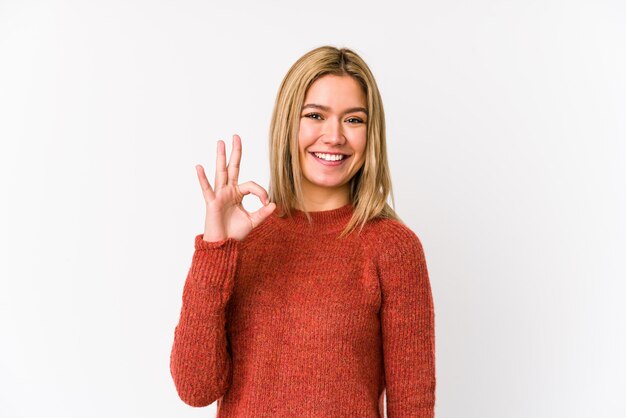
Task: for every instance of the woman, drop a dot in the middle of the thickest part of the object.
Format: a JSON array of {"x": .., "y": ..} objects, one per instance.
[{"x": 318, "y": 303}]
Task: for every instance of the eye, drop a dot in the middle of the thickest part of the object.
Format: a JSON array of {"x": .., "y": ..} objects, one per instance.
[
  {"x": 313, "y": 116},
  {"x": 355, "y": 120}
]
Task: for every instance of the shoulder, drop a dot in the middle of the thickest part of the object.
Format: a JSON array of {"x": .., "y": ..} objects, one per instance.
[
  {"x": 397, "y": 253},
  {"x": 386, "y": 236}
]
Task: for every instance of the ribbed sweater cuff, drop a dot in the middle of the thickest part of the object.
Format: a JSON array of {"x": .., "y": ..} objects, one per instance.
[
  {"x": 411, "y": 412},
  {"x": 427, "y": 412},
  {"x": 213, "y": 264},
  {"x": 421, "y": 412}
]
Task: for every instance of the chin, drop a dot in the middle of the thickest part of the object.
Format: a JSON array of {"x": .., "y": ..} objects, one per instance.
[{"x": 327, "y": 184}]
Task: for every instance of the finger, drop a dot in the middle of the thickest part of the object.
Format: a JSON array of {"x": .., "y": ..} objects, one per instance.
[
  {"x": 260, "y": 215},
  {"x": 234, "y": 161},
  {"x": 252, "y": 187},
  {"x": 220, "y": 166},
  {"x": 207, "y": 191}
]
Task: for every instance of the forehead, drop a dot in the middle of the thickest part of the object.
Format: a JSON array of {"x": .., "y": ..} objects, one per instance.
[{"x": 338, "y": 90}]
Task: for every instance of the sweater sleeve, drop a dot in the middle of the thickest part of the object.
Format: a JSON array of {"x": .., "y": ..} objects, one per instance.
[
  {"x": 407, "y": 322},
  {"x": 200, "y": 363}
]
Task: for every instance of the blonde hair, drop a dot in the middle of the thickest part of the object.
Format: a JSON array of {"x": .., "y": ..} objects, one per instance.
[{"x": 371, "y": 185}]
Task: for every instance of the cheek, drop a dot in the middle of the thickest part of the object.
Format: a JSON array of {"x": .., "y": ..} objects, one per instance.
[
  {"x": 359, "y": 143},
  {"x": 306, "y": 136},
  {"x": 306, "y": 131},
  {"x": 359, "y": 146}
]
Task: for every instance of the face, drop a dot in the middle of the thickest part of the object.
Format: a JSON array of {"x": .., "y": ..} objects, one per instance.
[{"x": 332, "y": 135}]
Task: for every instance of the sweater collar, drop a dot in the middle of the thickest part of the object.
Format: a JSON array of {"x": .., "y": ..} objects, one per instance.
[{"x": 333, "y": 220}]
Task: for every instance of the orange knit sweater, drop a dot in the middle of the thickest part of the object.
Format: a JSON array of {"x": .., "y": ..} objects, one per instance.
[{"x": 293, "y": 322}]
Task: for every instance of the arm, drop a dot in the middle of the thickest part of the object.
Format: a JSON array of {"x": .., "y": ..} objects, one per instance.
[
  {"x": 199, "y": 362},
  {"x": 407, "y": 322}
]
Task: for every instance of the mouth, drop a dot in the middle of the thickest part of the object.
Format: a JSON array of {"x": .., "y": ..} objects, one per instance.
[{"x": 330, "y": 159}]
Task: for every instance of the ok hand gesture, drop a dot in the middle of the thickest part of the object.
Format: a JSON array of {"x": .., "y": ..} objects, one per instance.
[{"x": 225, "y": 214}]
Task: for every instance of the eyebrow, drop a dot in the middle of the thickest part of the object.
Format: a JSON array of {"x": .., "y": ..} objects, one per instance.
[{"x": 326, "y": 108}]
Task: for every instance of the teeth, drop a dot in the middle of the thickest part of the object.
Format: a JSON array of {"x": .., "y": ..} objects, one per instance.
[{"x": 329, "y": 157}]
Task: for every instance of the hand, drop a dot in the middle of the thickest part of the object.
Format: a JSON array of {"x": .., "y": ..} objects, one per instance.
[{"x": 225, "y": 214}]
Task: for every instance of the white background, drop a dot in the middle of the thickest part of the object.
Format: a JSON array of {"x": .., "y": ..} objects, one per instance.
[{"x": 506, "y": 142}]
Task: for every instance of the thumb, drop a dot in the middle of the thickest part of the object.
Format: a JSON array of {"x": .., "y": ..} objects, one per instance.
[{"x": 260, "y": 215}]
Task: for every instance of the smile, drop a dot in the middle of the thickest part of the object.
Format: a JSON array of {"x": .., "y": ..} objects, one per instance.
[{"x": 329, "y": 159}]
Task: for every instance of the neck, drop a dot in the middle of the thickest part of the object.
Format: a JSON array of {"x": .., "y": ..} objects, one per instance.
[{"x": 324, "y": 198}]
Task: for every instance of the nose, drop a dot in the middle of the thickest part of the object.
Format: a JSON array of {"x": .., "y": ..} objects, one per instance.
[{"x": 333, "y": 133}]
